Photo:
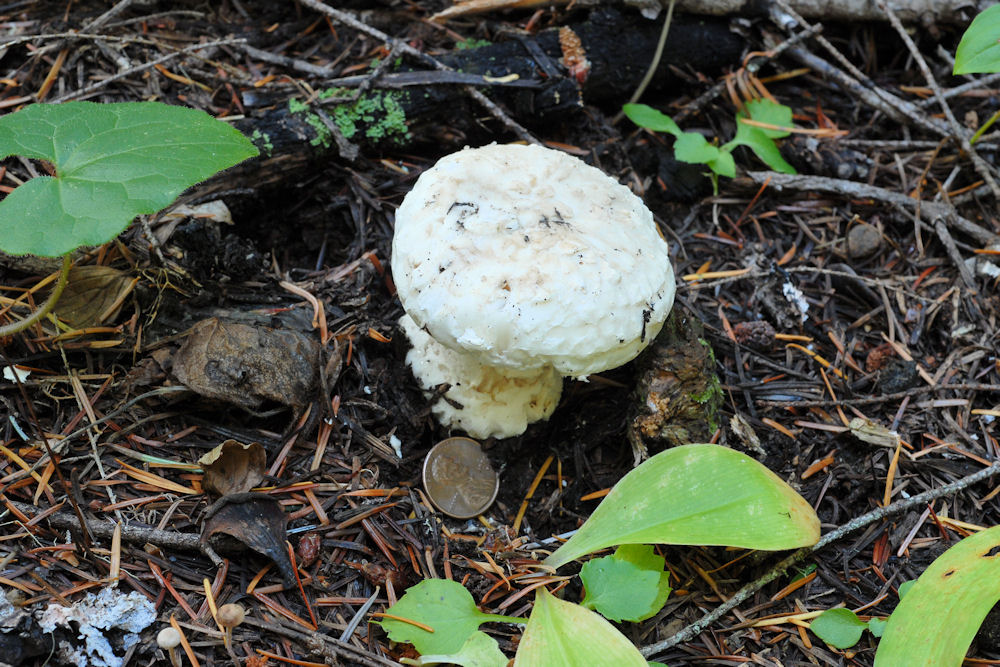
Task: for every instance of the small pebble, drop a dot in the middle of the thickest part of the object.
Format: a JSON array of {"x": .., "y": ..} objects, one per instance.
[{"x": 863, "y": 240}]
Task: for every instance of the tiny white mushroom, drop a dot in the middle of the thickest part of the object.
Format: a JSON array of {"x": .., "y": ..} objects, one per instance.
[
  {"x": 168, "y": 638},
  {"x": 529, "y": 262}
]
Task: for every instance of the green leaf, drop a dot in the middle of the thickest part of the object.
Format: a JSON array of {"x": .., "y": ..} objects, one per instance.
[
  {"x": 696, "y": 494},
  {"x": 724, "y": 165},
  {"x": 979, "y": 50},
  {"x": 627, "y": 586},
  {"x": 838, "y": 627},
  {"x": 112, "y": 161},
  {"x": 563, "y": 633},
  {"x": 479, "y": 650},
  {"x": 876, "y": 626},
  {"x": 761, "y": 140},
  {"x": 905, "y": 587},
  {"x": 447, "y": 608},
  {"x": 651, "y": 119},
  {"x": 693, "y": 148},
  {"x": 937, "y": 620}
]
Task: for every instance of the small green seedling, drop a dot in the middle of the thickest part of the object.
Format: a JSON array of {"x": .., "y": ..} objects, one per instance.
[
  {"x": 695, "y": 494},
  {"x": 768, "y": 121},
  {"x": 110, "y": 163}
]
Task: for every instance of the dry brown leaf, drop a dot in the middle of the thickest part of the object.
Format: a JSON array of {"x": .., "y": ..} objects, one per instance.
[
  {"x": 93, "y": 295},
  {"x": 255, "y": 520},
  {"x": 233, "y": 467},
  {"x": 246, "y": 365},
  {"x": 868, "y": 431}
]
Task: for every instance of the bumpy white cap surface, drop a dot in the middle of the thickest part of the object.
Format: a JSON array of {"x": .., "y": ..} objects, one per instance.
[
  {"x": 494, "y": 404},
  {"x": 527, "y": 257}
]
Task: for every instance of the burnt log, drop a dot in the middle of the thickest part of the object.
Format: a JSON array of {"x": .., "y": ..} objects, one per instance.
[{"x": 403, "y": 106}]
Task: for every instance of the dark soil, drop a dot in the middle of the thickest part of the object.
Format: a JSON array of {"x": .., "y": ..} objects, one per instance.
[{"x": 900, "y": 329}]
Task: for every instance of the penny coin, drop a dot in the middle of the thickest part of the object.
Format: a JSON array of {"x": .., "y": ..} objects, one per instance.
[{"x": 459, "y": 479}]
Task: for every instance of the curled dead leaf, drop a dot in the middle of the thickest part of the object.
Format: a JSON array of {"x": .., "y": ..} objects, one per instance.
[
  {"x": 233, "y": 467},
  {"x": 868, "y": 431},
  {"x": 254, "y": 520},
  {"x": 93, "y": 295}
]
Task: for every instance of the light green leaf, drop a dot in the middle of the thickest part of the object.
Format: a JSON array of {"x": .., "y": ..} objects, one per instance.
[
  {"x": 627, "y": 586},
  {"x": 724, "y": 165},
  {"x": 838, "y": 627},
  {"x": 876, "y": 626},
  {"x": 693, "y": 148},
  {"x": 905, "y": 587},
  {"x": 563, "y": 633},
  {"x": 696, "y": 494},
  {"x": 651, "y": 119},
  {"x": 479, "y": 650},
  {"x": 979, "y": 50},
  {"x": 935, "y": 623},
  {"x": 447, "y": 608},
  {"x": 112, "y": 161},
  {"x": 761, "y": 140}
]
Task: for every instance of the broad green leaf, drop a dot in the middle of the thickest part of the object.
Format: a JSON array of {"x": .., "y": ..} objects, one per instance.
[
  {"x": 838, "y": 627},
  {"x": 651, "y": 119},
  {"x": 940, "y": 615},
  {"x": 696, "y": 494},
  {"x": 627, "y": 586},
  {"x": 112, "y": 162},
  {"x": 479, "y": 650},
  {"x": 765, "y": 111},
  {"x": 563, "y": 633},
  {"x": 979, "y": 50},
  {"x": 693, "y": 148},
  {"x": 876, "y": 626},
  {"x": 447, "y": 608}
]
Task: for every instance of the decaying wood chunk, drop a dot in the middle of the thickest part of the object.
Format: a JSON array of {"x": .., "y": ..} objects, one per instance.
[{"x": 678, "y": 394}]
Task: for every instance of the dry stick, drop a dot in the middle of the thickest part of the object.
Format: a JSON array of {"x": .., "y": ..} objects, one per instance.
[
  {"x": 928, "y": 210},
  {"x": 885, "y": 398},
  {"x": 851, "y": 526},
  {"x": 140, "y": 68},
  {"x": 322, "y": 644},
  {"x": 403, "y": 47},
  {"x": 980, "y": 165},
  {"x": 855, "y": 80}
]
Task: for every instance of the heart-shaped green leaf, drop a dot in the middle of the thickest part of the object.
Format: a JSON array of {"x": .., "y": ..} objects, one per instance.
[
  {"x": 443, "y": 605},
  {"x": 563, "y": 633},
  {"x": 936, "y": 622},
  {"x": 838, "y": 627},
  {"x": 112, "y": 162},
  {"x": 629, "y": 585},
  {"x": 979, "y": 50},
  {"x": 697, "y": 494}
]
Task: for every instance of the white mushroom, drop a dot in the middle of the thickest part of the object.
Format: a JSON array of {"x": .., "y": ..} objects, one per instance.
[
  {"x": 529, "y": 261},
  {"x": 482, "y": 400}
]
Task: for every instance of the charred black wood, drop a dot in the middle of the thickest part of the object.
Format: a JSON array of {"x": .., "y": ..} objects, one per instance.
[{"x": 524, "y": 74}]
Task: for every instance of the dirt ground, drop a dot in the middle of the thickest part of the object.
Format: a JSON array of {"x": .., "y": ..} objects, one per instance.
[{"x": 844, "y": 305}]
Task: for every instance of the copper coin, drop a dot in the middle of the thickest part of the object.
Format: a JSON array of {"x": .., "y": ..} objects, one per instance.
[{"x": 459, "y": 479}]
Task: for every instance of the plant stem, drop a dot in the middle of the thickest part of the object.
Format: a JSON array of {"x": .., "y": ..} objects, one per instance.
[{"x": 45, "y": 308}]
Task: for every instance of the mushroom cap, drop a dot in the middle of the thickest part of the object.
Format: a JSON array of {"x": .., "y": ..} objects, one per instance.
[
  {"x": 527, "y": 257},
  {"x": 168, "y": 638},
  {"x": 493, "y": 403},
  {"x": 231, "y": 615}
]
